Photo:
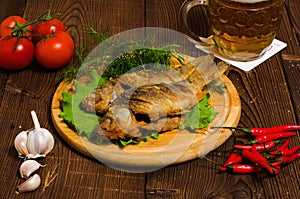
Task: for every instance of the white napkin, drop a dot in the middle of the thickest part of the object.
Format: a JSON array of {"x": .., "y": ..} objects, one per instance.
[{"x": 275, "y": 47}]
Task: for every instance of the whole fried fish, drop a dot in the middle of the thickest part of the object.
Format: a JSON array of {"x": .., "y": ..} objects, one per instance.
[
  {"x": 156, "y": 104},
  {"x": 155, "y": 107}
]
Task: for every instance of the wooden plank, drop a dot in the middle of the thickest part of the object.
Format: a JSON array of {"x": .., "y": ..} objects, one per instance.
[
  {"x": 9, "y": 8},
  {"x": 293, "y": 7},
  {"x": 291, "y": 56},
  {"x": 292, "y": 69}
]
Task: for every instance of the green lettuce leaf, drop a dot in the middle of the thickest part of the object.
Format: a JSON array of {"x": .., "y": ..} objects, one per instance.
[
  {"x": 200, "y": 116},
  {"x": 84, "y": 123}
]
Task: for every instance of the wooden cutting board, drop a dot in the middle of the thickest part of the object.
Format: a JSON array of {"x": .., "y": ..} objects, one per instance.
[{"x": 171, "y": 147}]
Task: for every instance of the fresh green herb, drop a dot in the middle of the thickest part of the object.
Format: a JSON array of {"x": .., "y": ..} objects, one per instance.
[
  {"x": 200, "y": 116},
  {"x": 155, "y": 135},
  {"x": 67, "y": 113},
  {"x": 144, "y": 138},
  {"x": 121, "y": 59},
  {"x": 84, "y": 123},
  {"x": 99, "y": 37},
  {"x": 160, "y": 57},
  {"x": 126, "y": 142},
  {"x": 69, "y": 73},
  {"x": 219, "y": 88}
]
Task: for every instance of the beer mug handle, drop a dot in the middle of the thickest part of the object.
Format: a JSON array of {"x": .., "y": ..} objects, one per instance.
[{"x": 183, "y": 13}]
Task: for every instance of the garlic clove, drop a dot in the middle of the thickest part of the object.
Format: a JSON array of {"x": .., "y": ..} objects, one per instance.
[
  {"x": 30, "y": 184},
  {"x": 28, "y": 167},
  {"x": 21, "y": 143},
  {"x": 50, "y": 141}
]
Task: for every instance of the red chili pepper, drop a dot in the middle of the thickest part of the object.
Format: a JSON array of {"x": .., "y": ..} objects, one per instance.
[
  {"x": 257, "y": 158},
  {"x": 259, "y": 147},
  {"x": 288, "y": 159},
  {"x": 233, "y": 159},
  {"x": 275, "y": 164},
  {"x": 274, "y": 136},
  {"x": 242, "y": 168},
  {"x": 276, "y": 167},
  {"x": 276, "y": 170},
  {"x": 291, "y": 151},
  {"x": 223, "y": 168},
  {"x": 282, "y": 147},
  {"x": 275, "y": 129},
  {"x": 265, "y": 131},
  {"x": 288, "y": 152}
]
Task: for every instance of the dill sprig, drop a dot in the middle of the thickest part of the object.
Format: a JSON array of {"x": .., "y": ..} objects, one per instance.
[
  {"x": 98, "y": 37},
  {"x": 159, "y": 59},
  {"x": 121, "y": 59}
]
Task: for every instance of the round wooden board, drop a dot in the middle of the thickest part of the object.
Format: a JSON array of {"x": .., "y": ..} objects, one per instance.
[{"x": 171, "y": 147}]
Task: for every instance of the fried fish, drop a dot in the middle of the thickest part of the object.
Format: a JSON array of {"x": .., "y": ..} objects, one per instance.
[{"x": 149, "y": 100}]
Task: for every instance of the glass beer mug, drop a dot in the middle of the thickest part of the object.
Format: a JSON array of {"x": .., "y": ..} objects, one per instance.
[{"x": 242, "y": 30}]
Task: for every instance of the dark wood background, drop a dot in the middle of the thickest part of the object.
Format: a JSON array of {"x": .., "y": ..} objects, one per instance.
[{"x": 270, "y": 95}]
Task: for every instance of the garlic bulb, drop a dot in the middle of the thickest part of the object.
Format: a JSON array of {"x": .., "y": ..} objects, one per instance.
[
  {"x": 28, "y": 167},
  {"x": 30, "y": 184},
  {"x": 34, "y": 143}
]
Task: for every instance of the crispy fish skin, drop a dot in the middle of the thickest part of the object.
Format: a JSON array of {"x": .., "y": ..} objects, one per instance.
[
  {"x": 129, "y": 127},
  {"x": 117, "y": 123},
  {"x": 99, "y": 100},
  {"x": 170, "y": 99},
  {"x": 157, "y": 107}
]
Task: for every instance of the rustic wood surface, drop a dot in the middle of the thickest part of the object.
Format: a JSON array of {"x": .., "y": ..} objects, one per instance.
[{"x": 269, "y": 95}]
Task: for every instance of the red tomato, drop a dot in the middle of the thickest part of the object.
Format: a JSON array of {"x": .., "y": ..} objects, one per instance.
[
  {"x": 56, "y": 51},
  {"x": 7, "y": 26},
  {"x": 48, "y": 27},
  {"x": 15, "y": 57}
]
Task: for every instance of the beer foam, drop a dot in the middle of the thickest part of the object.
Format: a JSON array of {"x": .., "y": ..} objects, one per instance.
[{"x": 249, "y": 1}]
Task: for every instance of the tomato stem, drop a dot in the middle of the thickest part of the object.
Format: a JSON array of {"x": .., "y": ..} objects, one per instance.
[
  {"x": 47, "y": 16},
  {"x": 21, "y": 30},
  {"x": 16, "y": 44}
]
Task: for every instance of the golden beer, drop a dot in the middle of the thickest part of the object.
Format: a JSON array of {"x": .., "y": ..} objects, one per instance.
[{"x": 244, "y": 29}]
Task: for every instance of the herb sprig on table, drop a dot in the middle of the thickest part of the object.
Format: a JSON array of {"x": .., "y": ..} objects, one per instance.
[{"x": 70, "y": 72}]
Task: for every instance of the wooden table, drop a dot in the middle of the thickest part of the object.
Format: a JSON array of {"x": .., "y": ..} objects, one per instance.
[{"x": 270, "y": 95}]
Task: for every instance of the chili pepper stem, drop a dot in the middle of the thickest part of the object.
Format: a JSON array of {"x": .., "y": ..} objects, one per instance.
[
  {"x": 245, "y": 130},
  {"x": 253, "y": 142},
  {"x": 212, "y": 161}
]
